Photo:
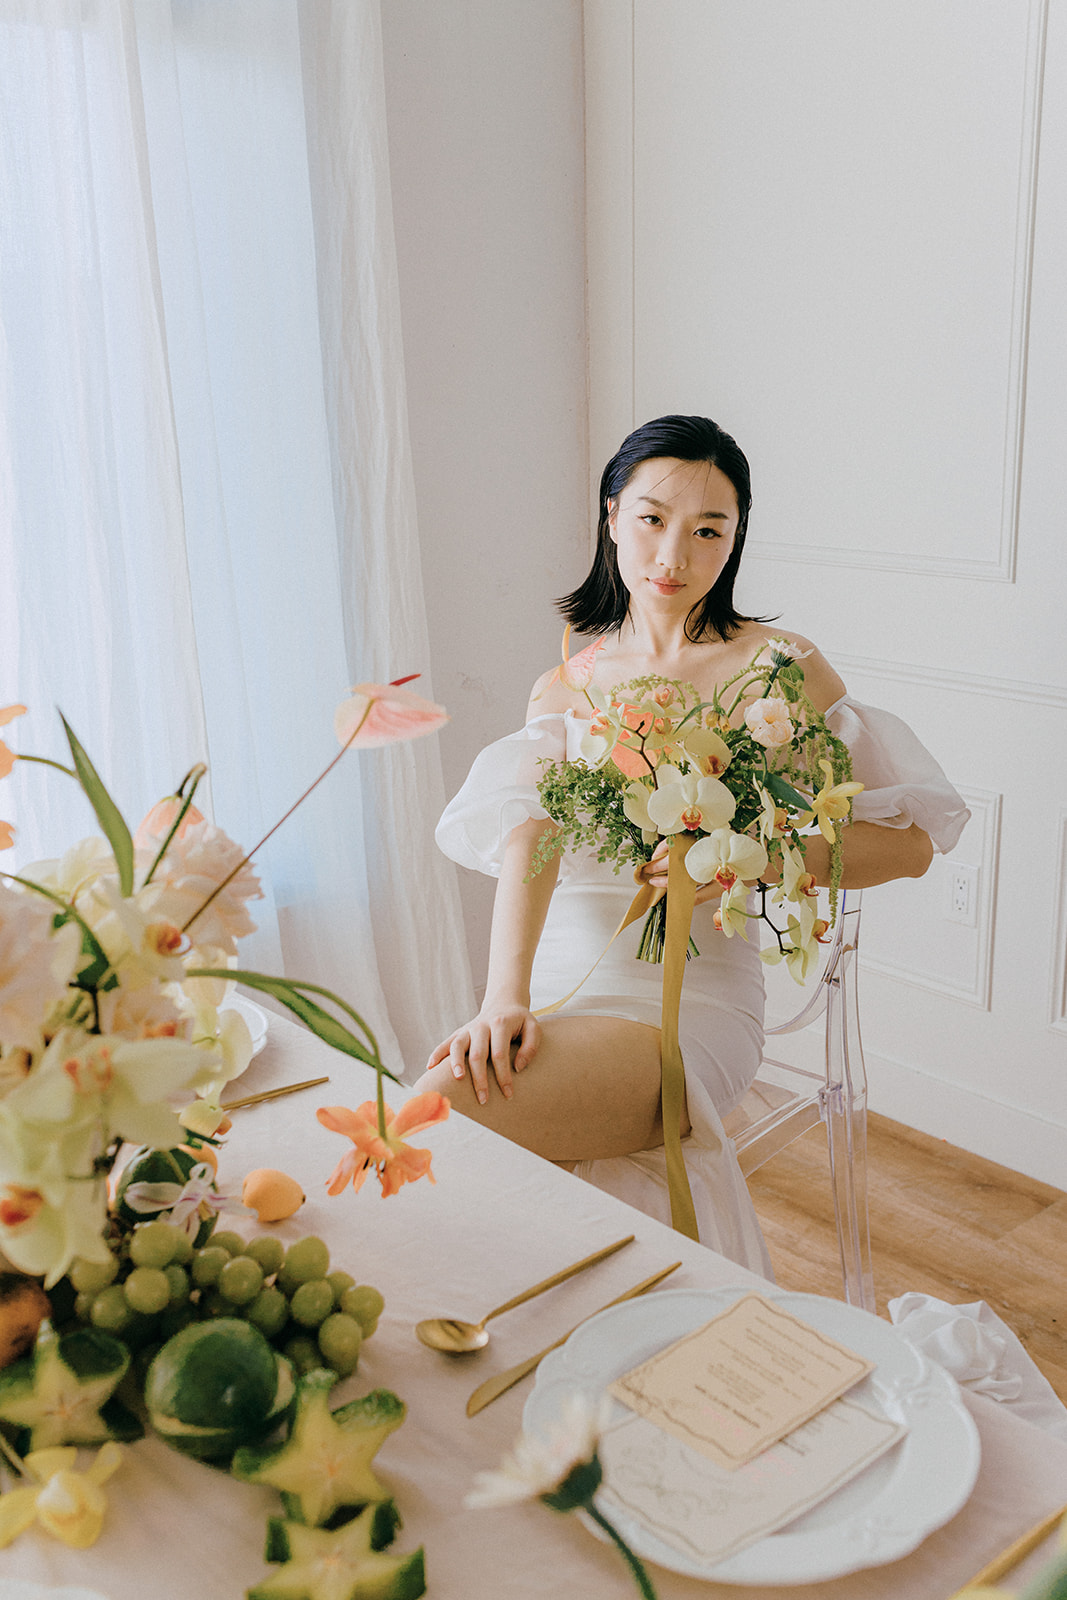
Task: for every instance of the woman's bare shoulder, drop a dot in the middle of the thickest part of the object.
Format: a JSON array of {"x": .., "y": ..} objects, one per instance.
[
  {"x": 549, "y": 696},
  {"x": 823, "y": 684}
]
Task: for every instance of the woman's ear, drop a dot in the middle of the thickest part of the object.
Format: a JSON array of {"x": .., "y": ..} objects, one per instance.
[{"x": 613, "y": 516}]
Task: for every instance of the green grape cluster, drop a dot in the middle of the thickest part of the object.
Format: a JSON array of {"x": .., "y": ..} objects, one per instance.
[{"x": 155, "y": 1282}]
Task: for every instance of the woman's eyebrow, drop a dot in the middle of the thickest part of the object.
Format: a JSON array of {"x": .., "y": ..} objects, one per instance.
[{"x": 702, "y": 516}]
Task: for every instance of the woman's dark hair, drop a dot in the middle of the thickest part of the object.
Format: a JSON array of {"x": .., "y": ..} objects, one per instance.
[{"x": 600, "y": 604}]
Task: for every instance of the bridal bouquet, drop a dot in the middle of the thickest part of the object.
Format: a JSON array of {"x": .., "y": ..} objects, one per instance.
[
  {"x": 658, "y": 763},
  {"x": 114, "y": 961}
]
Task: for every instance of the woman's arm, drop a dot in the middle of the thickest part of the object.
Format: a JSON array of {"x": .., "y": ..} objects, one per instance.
[
  {"x": 519, "y": 912},
  {"x": 871, "y": 854}
]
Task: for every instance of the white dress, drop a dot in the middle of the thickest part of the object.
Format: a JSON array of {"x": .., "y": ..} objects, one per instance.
[{"x": 721, "y": 1014}]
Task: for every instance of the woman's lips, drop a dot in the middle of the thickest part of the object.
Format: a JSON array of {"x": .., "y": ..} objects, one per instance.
[{"x": 663, "y": 586}]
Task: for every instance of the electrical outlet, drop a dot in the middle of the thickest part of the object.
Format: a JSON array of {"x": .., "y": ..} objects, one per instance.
[{"x": 962, "y": 904}]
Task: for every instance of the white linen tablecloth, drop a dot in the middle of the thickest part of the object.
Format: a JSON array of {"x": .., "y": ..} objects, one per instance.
[{"x": 497, "y": 1220}]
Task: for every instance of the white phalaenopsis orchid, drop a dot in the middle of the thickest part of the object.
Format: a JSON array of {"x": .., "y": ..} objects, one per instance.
[
  {"x": 725, "y": 857},
  {"x": 685, "y": 800}
]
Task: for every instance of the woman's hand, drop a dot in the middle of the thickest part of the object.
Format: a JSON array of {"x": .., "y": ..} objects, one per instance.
[
  {"x": 654, "y": 872},
  {"x": 489, "y": 1041}
]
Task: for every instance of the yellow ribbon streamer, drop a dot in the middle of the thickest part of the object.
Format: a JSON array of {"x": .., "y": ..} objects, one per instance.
[{"x": 681, "y": 895}]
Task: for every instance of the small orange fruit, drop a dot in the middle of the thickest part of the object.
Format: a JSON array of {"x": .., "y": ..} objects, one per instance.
[{"x": 271, "y": 1194}]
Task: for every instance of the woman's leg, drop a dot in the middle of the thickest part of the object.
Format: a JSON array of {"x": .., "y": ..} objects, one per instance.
[{"x": 591, "y": 1091}]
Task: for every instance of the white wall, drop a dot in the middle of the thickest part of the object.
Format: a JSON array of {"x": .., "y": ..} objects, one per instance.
[
  {"x": 487, "y": 157},
  {"x": 826, "y": 225}
]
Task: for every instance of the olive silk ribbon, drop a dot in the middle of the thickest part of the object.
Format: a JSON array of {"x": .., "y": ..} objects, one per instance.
[{"x": 681, "y": 895}]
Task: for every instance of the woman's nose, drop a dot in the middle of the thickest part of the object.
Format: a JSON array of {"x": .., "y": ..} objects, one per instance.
[{"x": 671, "y": 553}]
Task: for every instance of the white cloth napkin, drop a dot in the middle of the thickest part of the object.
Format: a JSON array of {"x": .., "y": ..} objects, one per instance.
[{"x": 982, "y": 1354}]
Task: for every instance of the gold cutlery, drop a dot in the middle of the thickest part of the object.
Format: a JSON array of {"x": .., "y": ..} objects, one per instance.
[
  {"x": 457, "y": 1338},
  {"x": 1015, "y": 1553},
  {"x": 271, "y": 1094},
  {"x": 491, "y": 1390}
]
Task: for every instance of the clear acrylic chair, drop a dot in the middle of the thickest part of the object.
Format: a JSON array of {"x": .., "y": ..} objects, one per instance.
[{"x": 786, "y": 1100}]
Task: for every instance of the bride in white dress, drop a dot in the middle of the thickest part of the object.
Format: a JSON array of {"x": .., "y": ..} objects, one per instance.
[{"x": 582, "y": 1087}]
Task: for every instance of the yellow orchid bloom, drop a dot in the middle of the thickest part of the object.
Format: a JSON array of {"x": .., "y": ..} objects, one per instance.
[
  {"x": 68, "y": 1504},
  {"x": 833, "y": 800}
]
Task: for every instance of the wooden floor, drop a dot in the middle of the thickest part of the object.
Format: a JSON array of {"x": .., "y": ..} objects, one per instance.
[{"x": 943, "y": 1222}]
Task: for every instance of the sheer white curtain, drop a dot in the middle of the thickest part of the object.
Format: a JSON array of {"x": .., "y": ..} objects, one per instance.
[{"x": 206, "y": 511}]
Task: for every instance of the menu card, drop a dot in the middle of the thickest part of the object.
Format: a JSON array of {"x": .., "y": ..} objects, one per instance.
[
  {"x": 745, "y": 1380},
  {"x": 707, "y": 1512}
]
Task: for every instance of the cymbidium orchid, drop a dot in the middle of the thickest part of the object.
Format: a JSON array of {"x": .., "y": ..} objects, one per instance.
[
  {"x": 830, "y": 804},
  {"x": 67, "y": 1503},
  {"x": 377, "y": 1135}
]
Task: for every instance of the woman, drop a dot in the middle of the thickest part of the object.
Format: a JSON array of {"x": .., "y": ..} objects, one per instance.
[{"x": 582, "y": 1087}]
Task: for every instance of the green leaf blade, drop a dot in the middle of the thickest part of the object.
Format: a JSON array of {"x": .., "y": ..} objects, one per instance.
[{"x": 107, "y": 812}]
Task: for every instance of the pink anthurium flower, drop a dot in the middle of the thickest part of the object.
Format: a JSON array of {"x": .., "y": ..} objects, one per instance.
[
  {"x": 381, "y": 713},
  {"x": 396, "y": 1162},
  {"x": 575, "y": 672}
]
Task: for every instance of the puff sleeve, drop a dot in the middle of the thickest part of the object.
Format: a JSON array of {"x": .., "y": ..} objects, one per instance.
[
  {"x": 903, "y": 784},
  {"x": 500, "y": 792}
]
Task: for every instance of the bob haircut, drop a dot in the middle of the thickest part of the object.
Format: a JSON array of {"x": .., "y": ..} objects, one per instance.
[{"x": 601, "y": 603}]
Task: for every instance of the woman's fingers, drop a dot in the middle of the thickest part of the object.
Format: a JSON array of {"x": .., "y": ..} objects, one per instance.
[
  {"x": 502, "y": 1031},
  {"x": 488, "y": 1043},
  {"x": 529, "y": 1041}
]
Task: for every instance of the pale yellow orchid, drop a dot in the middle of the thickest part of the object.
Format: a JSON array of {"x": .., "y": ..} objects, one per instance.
[
  {"x": 833, "y": 801},
  {"x": 796, "y": 879},
  {"x": 733, "y": 915},
  {"x": 726, "y": 858},
  {"x": 68, "y": 1504},
  {"x": 683, "y": 800},
  {"x": 772, "y": 818}
]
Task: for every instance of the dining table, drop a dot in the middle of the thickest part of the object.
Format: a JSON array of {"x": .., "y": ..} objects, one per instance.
[{"x": 495, "y": 1220}]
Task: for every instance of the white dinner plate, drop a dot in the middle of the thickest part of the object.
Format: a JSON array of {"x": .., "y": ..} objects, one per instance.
[
  {"x": 255, "y": 1017},
  {"x": 880, "y": 1516}
]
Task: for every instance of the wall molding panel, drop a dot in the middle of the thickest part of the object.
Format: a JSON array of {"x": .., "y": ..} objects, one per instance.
[
  {"x": 941, "y": 678},
  {"x": 1058, "y": 974},
  {"x": 970, "y": 978}
]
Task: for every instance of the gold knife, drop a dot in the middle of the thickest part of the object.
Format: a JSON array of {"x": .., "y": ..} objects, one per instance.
[{"x": 489, "y": 1391}]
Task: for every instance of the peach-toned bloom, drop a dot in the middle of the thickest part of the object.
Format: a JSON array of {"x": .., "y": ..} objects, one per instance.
[
  {"x": 396, "y": 1162},
  {"x": 380, "y": 713},
  {"x": 159, "y": 821},
  {"x": 768, "y": 722},
  {"x": 575, "y": 672},
  {"x": 198, "y": 859},
  {"x": 37, "y": 962},
  {"x": 7, "y": 836},
  {"x": 7, "y": 757}
]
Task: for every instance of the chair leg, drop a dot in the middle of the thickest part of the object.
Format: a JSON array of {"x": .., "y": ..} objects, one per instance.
[{"x": 844, "y": 1109}]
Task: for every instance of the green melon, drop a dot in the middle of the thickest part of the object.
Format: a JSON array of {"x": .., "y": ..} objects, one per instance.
[{"x": 216, "y": 1385}]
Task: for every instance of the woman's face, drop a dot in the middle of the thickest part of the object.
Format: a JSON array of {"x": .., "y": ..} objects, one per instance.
[{"x": 674, "y": 526}]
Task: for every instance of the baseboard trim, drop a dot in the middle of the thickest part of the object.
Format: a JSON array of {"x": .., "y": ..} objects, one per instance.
[{"x": 986, "y": 1126}]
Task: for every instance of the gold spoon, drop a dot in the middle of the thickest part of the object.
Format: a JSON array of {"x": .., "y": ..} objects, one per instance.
[{"x": 457, "y": 1338}]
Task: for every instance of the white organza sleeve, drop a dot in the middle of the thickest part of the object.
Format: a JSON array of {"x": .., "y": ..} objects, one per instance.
[
  {"x": 903, "y": 784},
  {"x": 500, "y": 792}
]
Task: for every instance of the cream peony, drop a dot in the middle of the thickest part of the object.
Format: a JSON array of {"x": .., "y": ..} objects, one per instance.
[{"x": 193, "y": 867}]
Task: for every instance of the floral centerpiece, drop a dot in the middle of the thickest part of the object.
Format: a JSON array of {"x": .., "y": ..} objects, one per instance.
[{"x": 116, "y": 959}]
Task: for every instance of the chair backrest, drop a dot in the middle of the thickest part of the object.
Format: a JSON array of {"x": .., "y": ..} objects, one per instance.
[{"x": 786, "y": 1099}]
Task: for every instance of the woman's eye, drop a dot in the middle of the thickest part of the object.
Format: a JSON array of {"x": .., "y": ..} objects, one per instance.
[
  {"x": 708, "y": 533},
  {"x": 651, "y": 518}
]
